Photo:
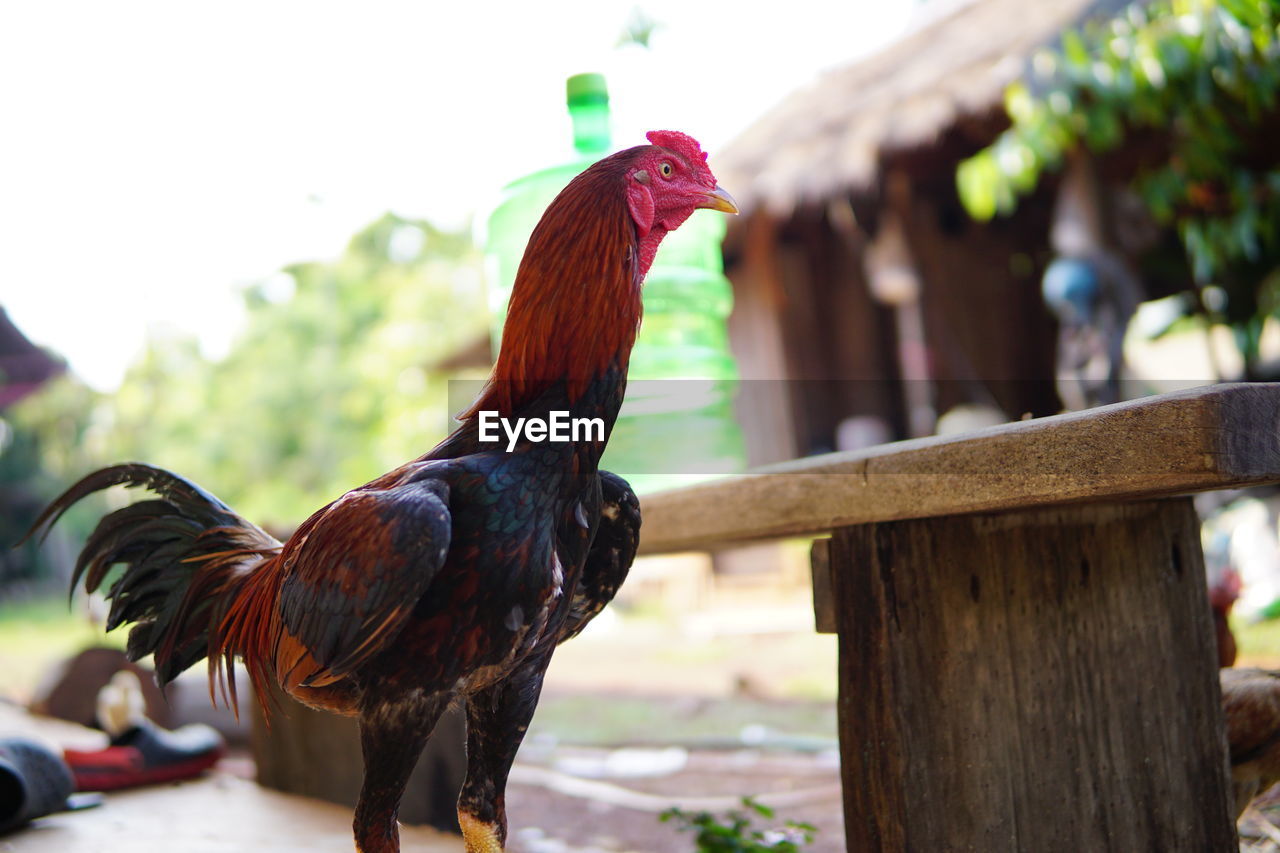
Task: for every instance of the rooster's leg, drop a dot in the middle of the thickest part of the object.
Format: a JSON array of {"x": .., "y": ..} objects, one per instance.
[
  {"x": 392, "y": 735},
  {"x": 497, "y": 719}
]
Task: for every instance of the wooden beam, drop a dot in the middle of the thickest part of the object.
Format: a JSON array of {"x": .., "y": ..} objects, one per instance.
[
  {"x": 1223, "y": 436},
  {"x": 824, "y": 600},
  {"x": 1038, "y": 680}
]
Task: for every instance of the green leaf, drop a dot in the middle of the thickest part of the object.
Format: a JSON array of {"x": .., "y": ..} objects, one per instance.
[
  {"x": 1074, "y": 50},
  {"x": 976, "y": 180},
  {"x": 1204, "y": 75}
]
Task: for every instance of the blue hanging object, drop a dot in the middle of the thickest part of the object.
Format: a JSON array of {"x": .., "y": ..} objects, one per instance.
[{"x": 1070, "y": 287}]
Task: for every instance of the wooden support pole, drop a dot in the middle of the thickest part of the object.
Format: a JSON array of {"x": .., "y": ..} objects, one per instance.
[
  {"x": 824, "y": 601},
  {"x": 1039, "y": 680}
]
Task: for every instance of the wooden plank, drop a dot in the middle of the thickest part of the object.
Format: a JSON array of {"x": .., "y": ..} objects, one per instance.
[
  {"x": 824, "y": 601},
  {"x": 1039, "y": 680},
  {"x": 1221, "y": 436}
]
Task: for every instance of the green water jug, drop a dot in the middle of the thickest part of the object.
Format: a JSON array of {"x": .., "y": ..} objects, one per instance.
[
  {"x": 677, "y": 424},
  {"x": 507, "y": 229}
]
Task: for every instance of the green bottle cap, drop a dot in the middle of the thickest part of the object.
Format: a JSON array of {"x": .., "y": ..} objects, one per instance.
[
  {"x": 583, "y": 89},
  {"x": 588, "y": 98}
]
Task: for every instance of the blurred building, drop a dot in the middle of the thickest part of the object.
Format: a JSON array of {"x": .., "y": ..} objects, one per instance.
[
  {"x": 24, "y": 367},
  {"x": 863, "y": 284}
]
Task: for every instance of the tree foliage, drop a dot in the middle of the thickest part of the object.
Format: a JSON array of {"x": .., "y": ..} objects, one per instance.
[
  {"x": 1199, "y": 79},
  {"x": 329, "y": 384},
  {"x": 45, "y": 441}
]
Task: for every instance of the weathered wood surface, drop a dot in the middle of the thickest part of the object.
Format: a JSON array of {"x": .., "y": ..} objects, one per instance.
[
  {"x": 1041, "y": 680},
  {"x": 1217, "y": 437},
  {"x": 824, "y": 601}
]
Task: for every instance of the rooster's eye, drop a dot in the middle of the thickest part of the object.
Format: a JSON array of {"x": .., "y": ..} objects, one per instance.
[{"x": 666, "y": 170}]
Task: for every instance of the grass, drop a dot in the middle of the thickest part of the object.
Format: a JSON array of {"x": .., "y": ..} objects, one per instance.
[
  {"x": 1257, "y": 644},
  {"x": 39, "y": 633}
]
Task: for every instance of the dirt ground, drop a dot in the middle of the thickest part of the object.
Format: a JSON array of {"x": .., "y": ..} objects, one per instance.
[
  {"x": 643, "y": 714},
  {"x": 655, "y": 707},
  {"x": 607, "y": 816},
  {"x": 649, "y": 712}
]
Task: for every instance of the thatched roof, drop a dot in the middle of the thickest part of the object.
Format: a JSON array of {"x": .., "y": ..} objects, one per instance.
[
  {"x": 830, "y": 138},
  {"x": 24, "y": 367}
]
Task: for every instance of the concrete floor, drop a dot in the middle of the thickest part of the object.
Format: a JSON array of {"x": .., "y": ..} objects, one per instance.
[{"x": 217, "y": 813}]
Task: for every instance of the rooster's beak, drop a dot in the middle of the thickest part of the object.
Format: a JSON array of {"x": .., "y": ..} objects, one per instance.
[{"x": 718, "y": 199}]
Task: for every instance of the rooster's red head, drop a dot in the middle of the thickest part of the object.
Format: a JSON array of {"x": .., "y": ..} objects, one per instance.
[
  {"x": 575, "y": 305},
  {"x": 667, "y": 181}
]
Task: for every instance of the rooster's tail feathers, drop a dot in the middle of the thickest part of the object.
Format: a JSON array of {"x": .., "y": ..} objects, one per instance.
[{"x": 186, "y": 555}]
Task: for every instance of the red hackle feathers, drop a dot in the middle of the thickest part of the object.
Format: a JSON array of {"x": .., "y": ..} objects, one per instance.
[{"x": 568, "y": 291}]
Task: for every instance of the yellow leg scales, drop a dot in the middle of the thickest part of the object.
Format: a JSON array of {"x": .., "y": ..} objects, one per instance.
[{"x": 478, "y": 836}]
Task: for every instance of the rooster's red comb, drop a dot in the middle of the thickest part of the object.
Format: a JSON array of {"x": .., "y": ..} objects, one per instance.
[{"x": 681, "y": 143}]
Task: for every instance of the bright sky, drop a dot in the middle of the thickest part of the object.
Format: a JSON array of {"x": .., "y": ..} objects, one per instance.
[{"x": 155, "y": 157}]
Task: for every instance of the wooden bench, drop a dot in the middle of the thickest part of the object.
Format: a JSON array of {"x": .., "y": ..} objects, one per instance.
[{"x": 1026, "y": 654}]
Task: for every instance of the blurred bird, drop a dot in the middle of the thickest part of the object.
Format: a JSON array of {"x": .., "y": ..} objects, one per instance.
[
  {"x": 456, "y": 574},
  {"x": 1251, "y": 705},
  {"x": 1223, "y": 593}
]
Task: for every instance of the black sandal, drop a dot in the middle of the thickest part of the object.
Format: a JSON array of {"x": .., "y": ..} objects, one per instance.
[{"x": 34, "y": 782}]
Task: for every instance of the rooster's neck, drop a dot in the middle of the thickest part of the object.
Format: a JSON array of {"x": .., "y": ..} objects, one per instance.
[{"x": 575, "y": 307}]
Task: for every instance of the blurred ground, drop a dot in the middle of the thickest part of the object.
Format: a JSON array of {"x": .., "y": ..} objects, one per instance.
[
  {"x": 1260, "y": 824},
  {"x": 622, "y": 814},
  {"x": 652, "y": 707},
  {"x": 696, "y": 693},
  {"x": 655, "y": 705}
]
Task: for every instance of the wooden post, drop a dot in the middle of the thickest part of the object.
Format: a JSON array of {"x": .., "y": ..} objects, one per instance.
[
  {"x": 1039, "y": 680},
  {"x": 824, "y": 601}
]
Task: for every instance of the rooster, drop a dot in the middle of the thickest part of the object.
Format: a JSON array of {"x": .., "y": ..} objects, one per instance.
[
  {"x": 1223, "y": 594},
  {"x": 1251, "y": 707},
  {"x": 455, "y": 575}
]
